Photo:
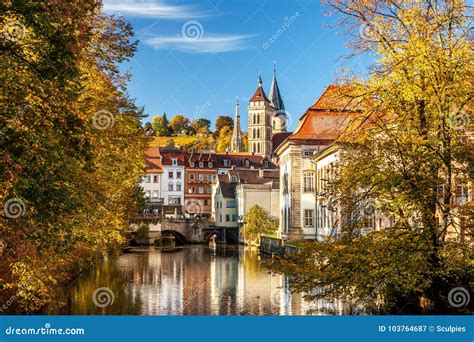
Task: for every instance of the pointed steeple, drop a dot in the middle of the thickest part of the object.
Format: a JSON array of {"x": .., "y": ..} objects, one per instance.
[
  {"x": 259, "y": 94},
  {"x": 275, "y": 96},
  {"x": 236, "y": 142}
]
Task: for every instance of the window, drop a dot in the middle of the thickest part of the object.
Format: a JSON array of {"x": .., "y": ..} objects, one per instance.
[
  {"x": 308, "y": 181},
  {"x": 226, "y": 162},
  {"x": 201, "y": 190},
  {"x": 233, "y": 179},
  {"x": 231, "y": 204},
  {"x": 147, "y": 194},
  {"x": 170, "y": 174},
  {"x": 246, "y": 163},
  {"x": 265, "y": 163},
  {"x": 191, "y": 190},
  {"x": 178, "y": 186},
  {"x": 201, "y": 177},
  {"x": 227, "y": 218},
  {"x": 174, "y": 200},
  {"x": 220, "y": 217},
  {"x": 174, "y": 161},
  {"x": 234, "y": 217},
  {"x": 148, "y": 179},
  {"x": 209, "y": 177},
  {"x": 170, "y": 186},
  {"x": 191, "y": 164},
  {"x": 308, "y": 217},
  {"x": 154, "y": 194},
  {"x": 155, "y": 179},
  {"x": 192, "y": 177},
  {"x": 208, "y": 189},
  {"x": 178, "y": 174},
  {"x": 308, "y": 153},
  {"x": 205, "y": 202}
]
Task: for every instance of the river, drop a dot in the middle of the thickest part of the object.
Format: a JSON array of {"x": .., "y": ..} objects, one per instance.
[{"x": 191, "y": 280}]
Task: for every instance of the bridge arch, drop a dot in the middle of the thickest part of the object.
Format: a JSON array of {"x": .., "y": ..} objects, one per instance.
[{"x": 180, "y": 239}]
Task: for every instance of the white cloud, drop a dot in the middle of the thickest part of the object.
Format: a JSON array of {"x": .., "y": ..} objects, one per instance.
[
  {"x": 205, "y": 44},
  {"x": 151, "y": 9}
]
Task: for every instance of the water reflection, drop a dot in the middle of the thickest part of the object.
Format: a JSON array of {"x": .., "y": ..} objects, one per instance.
[{"x": 193, "y": 280}]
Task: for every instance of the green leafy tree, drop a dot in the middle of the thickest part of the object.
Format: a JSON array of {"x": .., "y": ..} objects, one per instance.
[
  {"x": 161, "y": 125},
  {"x": 200, "y": 126},
  {"x": 258, "y": 222}
]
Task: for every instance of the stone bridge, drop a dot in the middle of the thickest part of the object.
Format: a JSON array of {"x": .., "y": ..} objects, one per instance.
[{"x": 184, "y": 230}]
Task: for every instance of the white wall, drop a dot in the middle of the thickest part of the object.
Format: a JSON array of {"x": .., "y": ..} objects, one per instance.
[
  {"x": 153, "y": 187},
  {"x": 175, "y": 181}
]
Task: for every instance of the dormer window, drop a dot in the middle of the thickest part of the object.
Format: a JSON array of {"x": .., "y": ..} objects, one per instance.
[
  {"x": 233, "y": 179},
  {"x": 265, "y": 163},
  {"x": 191, "y": 164},
  {"x": 201, "y": 164},
  {"x": 226, "y": 162},
  {"x": 209, "y": 164},
  {"x": 246, "y": 163},
  {"x": 174, "y": 161}
]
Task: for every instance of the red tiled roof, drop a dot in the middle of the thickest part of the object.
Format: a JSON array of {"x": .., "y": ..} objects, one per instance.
[
  {"x": 259, "y": 95},
  {"x": 167, "y": 155},
  {"x": 153, "y": 160},
  {"x": 237, "y": 160},
  {"x": 197, "y": 157},
  {"x": 336, "y": 98}
]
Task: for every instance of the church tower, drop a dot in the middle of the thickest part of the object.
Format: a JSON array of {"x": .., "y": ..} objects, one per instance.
[
  {"x": 236, "y": 142},
  {"x": 261, "y": 113},
  {"x": 279, "y": 120}
]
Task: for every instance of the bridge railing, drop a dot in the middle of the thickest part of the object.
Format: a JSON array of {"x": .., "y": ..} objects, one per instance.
[{"x": 275, "y": 246}]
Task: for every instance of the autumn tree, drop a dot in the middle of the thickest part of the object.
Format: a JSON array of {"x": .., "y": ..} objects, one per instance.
[
  {"x": 258, "y": 222},
  {"x": 71, "y": 145},
  {"x": 224, "y": 138},
  {"x": 179, "y": 124},
  {"x": 221, "y": 122},
  {"x": 408, "y": 152},
  {"x": 201, "y": 126}
]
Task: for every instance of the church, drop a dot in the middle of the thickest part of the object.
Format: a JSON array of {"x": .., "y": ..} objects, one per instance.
[{"x": 266, "y": 118}]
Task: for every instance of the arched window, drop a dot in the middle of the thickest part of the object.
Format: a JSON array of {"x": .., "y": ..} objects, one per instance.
[{"x": 258, "y": 133}]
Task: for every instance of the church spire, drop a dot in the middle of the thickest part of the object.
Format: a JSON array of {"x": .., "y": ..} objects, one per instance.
[
  {"x": 236, "y": 142},
  {"x": 275, "y": 96}
]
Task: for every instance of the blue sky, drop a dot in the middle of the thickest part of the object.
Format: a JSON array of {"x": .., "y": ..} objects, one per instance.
[{"x": 195, "y": 57}]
